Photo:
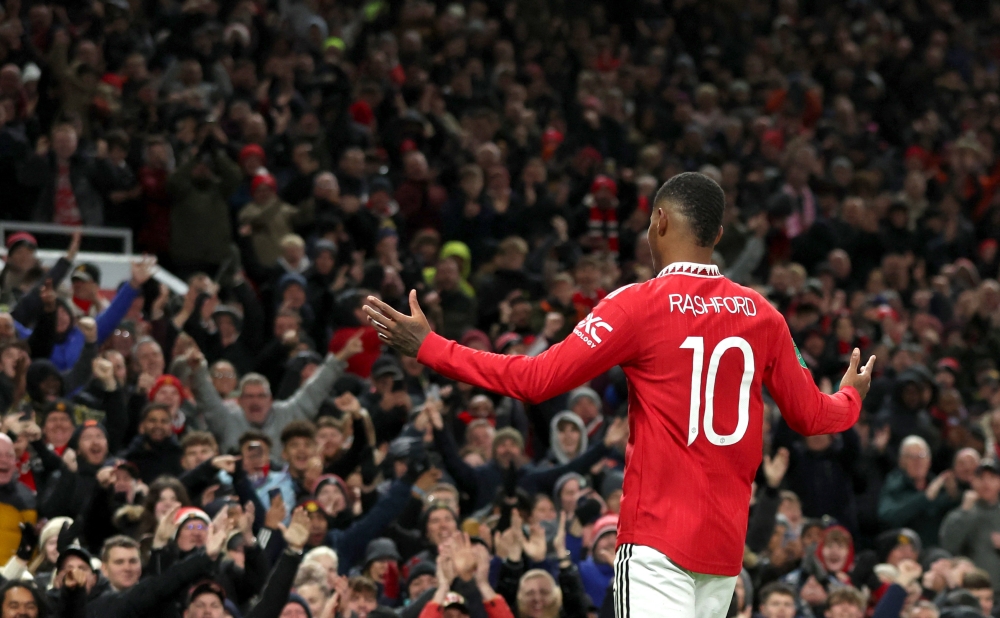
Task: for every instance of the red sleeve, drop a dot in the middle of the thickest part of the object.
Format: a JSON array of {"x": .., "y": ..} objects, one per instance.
[
  {"x": 600, "y": 341},
  {"x": 431, "y": 610},
  {"x": 806, "y": 410},
  {"x": 498, "y": 608}
]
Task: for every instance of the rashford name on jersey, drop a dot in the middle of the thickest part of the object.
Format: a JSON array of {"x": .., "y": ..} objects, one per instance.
[{"x": 700, "y": 306}]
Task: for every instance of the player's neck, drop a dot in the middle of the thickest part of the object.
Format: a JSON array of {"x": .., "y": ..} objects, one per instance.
[{"x": 698, "y": 255}]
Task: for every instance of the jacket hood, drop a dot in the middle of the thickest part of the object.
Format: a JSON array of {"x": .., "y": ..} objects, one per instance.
[
  {"x": 911, "y": 376},
  {"x": 69, "y": 308},
  {"x": 557, "y": 450},
  {"x": 839, "y": 533},
  {"x": 458, "y": 249}
]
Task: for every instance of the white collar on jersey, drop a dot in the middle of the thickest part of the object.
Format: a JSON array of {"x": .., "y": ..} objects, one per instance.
[{"x": 691, "y": 268}]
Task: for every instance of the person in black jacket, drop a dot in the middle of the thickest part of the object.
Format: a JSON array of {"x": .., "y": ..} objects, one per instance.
[
  {"x": 155, "y": 451},
  {"x": 207, "y": 599},
  {"x": 69, "y": 490},
  {"x": 126, "y": 595},
  {"x": 49, "y": 171},
  {"x": 116, "y": 590}
]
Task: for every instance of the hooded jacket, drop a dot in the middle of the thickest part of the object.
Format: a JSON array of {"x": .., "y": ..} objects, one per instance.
[
  {"x": 70, "y": 344},
  {"x": 38, "y": 372},
  {"x": 200, "y": 230},
  {"x": 459, "y": 250},
  {"x": 905, "y": 421},
  {"x": 556, "y": 454}
]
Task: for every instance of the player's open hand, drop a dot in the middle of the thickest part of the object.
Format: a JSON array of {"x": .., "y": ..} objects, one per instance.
[
  {"x": 405, "y": 333},
  {"x": 860, "y": 380}
]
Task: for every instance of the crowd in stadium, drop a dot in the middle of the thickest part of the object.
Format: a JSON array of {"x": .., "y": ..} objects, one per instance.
[{"x": 251, "y": 449}]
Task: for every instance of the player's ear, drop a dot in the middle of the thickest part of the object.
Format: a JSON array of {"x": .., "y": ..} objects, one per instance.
[
  {"x": 661, "y": 222},
  {"x": 718, "y": 236}
]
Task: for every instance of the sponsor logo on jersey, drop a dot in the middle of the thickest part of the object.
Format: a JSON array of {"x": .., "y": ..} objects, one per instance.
[
  {"x": 798, "y": 355},
  {"x": 591, "y": 328}
]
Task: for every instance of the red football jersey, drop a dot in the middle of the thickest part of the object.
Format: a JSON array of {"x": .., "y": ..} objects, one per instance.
[{"x": 696, "y": 349}]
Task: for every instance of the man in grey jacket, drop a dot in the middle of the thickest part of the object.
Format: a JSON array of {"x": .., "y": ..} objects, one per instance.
[
  {"x": 258, "y": 410},
  {"x": 973, "y": 529}
]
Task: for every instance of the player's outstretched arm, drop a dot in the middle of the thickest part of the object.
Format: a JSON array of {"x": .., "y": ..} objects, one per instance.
[
  {"x": 560, "y": 368},
  {"x": 807, "y": 410}
]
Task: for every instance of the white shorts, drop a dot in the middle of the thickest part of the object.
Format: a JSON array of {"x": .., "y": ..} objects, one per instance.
[{"x": 647, "y": 583}]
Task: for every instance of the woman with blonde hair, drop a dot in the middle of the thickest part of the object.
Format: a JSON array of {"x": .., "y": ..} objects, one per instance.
[
  {"x": 535, "y": 593},
  {"x": 43, "y": 566},
  {"x": 538, "y": 595}
]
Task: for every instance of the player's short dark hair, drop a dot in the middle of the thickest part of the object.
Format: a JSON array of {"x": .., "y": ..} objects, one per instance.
[
  {"x": 776, "y": 588},
  {"x": 700, "y": 199},
  {"x": 298, "y": 429}
]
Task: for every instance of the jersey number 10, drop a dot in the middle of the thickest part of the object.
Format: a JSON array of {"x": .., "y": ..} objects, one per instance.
[{"x": 697, "y": 345}]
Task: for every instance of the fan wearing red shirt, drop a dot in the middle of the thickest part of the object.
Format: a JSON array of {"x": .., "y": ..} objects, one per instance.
[{"x": 696, "y": 349}]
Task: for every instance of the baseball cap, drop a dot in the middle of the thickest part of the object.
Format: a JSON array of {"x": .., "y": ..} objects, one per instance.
[
  {"x": 310, "y": 505},
  {"x": 263, "y": 179},
  {"x": 252, "y": 150},
  {"x": 74, "y": 550},
  {"x": 988, "y": 465},
  {"x": 386, "y": 366},
  {"x": 604, "y": 182},
  {"x": 206, "y": 587},
  {"x": 453, "y": 600},
  {"x": 86, "y": 272}
]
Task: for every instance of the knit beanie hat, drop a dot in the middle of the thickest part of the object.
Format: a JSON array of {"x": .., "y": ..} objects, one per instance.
[
  {"x": 333, "y": 479},
  {"x": 74, "y": 442},
  {"x": 51, "y": 529},
  {"x": 581, "y": 393},
  {"x": 294, "y": 598},
  {"x": 508, "y": 433},
  {"x": 186, "y": 513},
  {"x": 605, "y": 525},
  {"x": 165, "y": 380},
  {"x": 561, "y": 482}
]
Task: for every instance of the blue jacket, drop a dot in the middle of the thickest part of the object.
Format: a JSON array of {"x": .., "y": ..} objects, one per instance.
[
  {"x": 596, "y": 578},
  {"x": 350, "y": 544},
  {"x": 64, "y": 354}
]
